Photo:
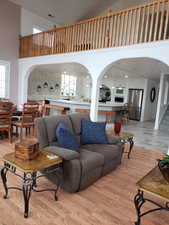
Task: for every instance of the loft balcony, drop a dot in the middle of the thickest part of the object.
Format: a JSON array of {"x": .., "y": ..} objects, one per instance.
[{"x": 142, "y": 24}]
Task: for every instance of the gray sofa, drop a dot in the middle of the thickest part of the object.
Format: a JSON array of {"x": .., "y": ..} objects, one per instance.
[{"x": 80, "y": 169}]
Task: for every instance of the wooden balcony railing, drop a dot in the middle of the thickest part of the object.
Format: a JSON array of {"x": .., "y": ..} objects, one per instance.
[{"x": 141, "y": 24}]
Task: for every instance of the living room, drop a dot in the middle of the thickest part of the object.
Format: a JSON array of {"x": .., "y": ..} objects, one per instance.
[{"x": 96, "y": 184}]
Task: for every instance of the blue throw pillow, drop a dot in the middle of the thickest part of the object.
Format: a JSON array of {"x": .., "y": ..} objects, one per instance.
[
  {"x": 66, "y": 139},
  {"x": 93, "y": 132}
]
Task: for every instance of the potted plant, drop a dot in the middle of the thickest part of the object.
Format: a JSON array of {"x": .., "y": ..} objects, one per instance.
[{"x": 163, "y": 165}]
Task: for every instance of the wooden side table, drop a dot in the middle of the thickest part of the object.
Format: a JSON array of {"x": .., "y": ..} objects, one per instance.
[
  {"x": 30, "y": 169},
  {"x": 154, "y": 184},
  {"x": 126, "y": 137}
]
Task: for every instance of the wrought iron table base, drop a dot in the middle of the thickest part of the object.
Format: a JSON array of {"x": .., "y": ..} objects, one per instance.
[
  {"x": 29, "y": 184},
  {"x": 139, "y": 201}
]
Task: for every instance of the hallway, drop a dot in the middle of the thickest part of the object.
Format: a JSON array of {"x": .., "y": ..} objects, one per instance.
[{"x": 147, "y": 137}]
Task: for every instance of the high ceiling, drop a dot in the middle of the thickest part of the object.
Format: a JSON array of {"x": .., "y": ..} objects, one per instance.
[
  {"x": 64, "y": 11},
  {"x": 138, "y": 68}
]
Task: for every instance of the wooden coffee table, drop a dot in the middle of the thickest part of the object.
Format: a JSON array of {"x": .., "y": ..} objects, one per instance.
[
  {"x": 154, "y": 184},
  {"x": 30, "y": 169},
  {"x": 126, "y": 137}
]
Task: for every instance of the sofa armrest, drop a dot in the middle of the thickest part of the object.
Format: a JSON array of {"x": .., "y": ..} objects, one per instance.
[
  {"x": 113, "y": 139},
  {"x": 63, "y": 152}
]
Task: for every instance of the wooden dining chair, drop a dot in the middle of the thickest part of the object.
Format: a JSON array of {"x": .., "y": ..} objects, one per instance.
[
  {"x": 5, "y": 118},
  {"x": 26, "y": 121},
  {"x": 32, "y": 106}
]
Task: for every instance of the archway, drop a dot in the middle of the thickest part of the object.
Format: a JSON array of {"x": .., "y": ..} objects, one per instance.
[
  {"x": 136, "y": 73},
  {"x": 57, "y": 82}
]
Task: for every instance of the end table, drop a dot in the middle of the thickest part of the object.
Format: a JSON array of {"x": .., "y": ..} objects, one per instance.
[
  {"x": 126, "y": 137},
  {"x": 30, "y": 169},
  {"x": 154, "y": 184}
]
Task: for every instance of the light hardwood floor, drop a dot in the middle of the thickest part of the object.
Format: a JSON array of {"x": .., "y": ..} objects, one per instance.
[{"x": 107, "y": 202}]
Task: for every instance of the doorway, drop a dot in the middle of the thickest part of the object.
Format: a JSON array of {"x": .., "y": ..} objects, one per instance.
[{"x": 135, "y": 100}]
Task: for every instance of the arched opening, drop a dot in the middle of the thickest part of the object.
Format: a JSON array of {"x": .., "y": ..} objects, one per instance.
[
  {"x": 68, "y": 83},
  {"x": 138, "y": 83}
]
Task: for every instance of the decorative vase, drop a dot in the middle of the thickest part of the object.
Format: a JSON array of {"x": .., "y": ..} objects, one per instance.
[
  {"x": 164, "y": 171},
  {"x": 117, "y": 128}
]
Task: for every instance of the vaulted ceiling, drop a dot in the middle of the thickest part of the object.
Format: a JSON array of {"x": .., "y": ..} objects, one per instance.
[{"x": 64, "y": 11}]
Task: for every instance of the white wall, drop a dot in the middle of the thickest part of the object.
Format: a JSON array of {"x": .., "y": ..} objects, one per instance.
[
  {"x": 126, "y": 83},
  {"x": 9, "y": 42},
  {"x": 30, "y": 20},
  {"x": 162, "y": 105},
  {"x": 40, "y": 76},
  {"x": 150, "y": 108}
]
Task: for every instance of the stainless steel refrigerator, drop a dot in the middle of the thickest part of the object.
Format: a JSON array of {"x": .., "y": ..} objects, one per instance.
[{"x": 135, "y": 100}]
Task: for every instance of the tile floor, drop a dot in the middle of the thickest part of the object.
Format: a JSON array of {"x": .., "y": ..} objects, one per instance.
[{"x": 145, "y": 136}]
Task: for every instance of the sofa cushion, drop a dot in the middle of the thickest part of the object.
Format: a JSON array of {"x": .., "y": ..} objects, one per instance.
[
  {"x": 93, "y": 132},
  {"x": 51, "y": 124},
  {"x": 90, "y": 160},
  {"x": 76, "y": 121},
  {"x": 110, "y": 152},
  {"x": 66, "y": 139}
]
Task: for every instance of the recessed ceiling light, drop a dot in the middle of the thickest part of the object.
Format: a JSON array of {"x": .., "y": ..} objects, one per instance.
[
  {"x": 126, "y": 76},
  {"x": 112, "y": 87}
]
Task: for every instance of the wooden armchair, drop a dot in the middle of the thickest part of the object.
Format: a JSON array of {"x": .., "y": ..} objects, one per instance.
[{"x": 5, "y": 118}]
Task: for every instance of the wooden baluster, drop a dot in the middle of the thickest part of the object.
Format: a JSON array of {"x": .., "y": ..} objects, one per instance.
[
  {"x": 94, "y": 35},
  {"x": 97, "y": 33},
  {"x": 133, "y": 33},
  {"x": 152, "y": 22},
  {"x": 117, "y": 30},
  {"x": 126, "y": 28},
  {"x": 85, "y": 37},
  {"x": 107, "y": 31},
  {"x": 147, "y": 24},
  {"x": 77, "y": 37},
  {"x": 72, "y": 40},
  {"x": 68, "y": 39},
  {"x": 156, "y": 22},
  {"x": 114, "y": 30},
  {"x": 129, "y": 27},
  {"x": 51, "y": 42},
  {"x": 110, "y": 31},
  {"x": 59, "y": 41},
  {"x": 137, "y": 26},
  {"x": 161, "y": 21},
  {"x": 166, "y": 22},
  {"x": 102, "y": 34},
  {"x": 142, "y": 24},
  {"x": 121, "y": 29},
  {"x": 91, "y": 36},
  {"x": 80, "y": 37}
]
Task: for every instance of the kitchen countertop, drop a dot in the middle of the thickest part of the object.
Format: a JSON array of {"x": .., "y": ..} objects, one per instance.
[{"x": 109, "y": 104}]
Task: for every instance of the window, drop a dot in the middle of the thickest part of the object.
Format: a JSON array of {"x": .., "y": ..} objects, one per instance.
[
  {"x": 68, "y": 85},
  {"x": 36, "y": 30},
  {"x": 2, "y": 81}
]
